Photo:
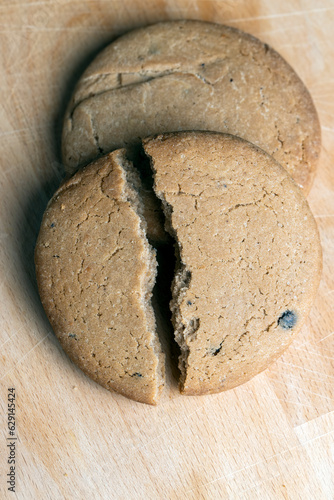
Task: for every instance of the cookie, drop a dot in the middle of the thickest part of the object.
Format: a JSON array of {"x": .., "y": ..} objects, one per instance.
[
  {"x": 95, "y": 271},
  {"x": 248, "y": 265},
  {"x": 249, "y": 256},
  {"x": 192, "y": 75}
]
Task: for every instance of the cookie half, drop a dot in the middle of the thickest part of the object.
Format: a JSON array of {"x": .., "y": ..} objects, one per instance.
[
  {"x": 95, "y": 271},
  {"x": 249, "y": 256},
  {"x": 192, "y": 75}
]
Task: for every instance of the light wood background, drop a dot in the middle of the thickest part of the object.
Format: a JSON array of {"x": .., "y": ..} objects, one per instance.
[{"x": 272, "y": 438}]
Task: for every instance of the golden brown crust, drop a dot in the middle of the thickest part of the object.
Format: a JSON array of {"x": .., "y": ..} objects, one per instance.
[
  {"x": 192, "y": 75},
  {"x": 95, "y": 273},
  {"x": 249, "y": 251}
]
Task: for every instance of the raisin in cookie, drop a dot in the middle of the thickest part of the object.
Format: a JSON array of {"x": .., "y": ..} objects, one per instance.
[
  {"x": 249, "y": 255},
  {"x": 95, "y": 273},
  {"x": 192, "y": 75}
]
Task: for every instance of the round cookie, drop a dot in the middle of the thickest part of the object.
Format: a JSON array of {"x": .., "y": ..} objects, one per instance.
[
  {"x": 95, "y": 273},
  {"x": 248, "y": 250},
  {"x": 192, "y": 75}
]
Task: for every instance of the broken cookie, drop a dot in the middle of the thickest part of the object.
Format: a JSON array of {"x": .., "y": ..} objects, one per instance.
[
  {"x": 248, "y": 264},
  {"x": 95, "y": 271},
  {"x": 249, "y": 256}
]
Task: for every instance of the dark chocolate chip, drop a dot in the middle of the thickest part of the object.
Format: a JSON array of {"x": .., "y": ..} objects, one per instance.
[
  {"x": 287, "y": 320},
  {"x": 214, "y": 351}
]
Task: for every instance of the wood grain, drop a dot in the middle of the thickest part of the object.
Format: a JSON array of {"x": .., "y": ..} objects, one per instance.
[{"x": 272, "y": 438}]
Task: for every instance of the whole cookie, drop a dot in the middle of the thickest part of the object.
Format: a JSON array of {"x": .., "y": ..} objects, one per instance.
[
  {"x": 249, "y": 255},
  {"x": 192, "y": 75},
  {"x": 95, "y": 273}
]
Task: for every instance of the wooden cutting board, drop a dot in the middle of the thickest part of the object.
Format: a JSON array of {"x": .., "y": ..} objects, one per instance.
[{"x": 272, "y": 438}]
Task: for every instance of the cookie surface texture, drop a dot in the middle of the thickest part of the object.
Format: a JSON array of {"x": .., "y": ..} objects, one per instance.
[
  {"x": 249, "y": 256},
  {"x": 95, "y": 273},
  {"x": 192, "y": 75}
]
